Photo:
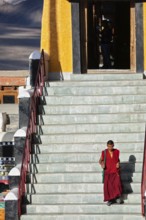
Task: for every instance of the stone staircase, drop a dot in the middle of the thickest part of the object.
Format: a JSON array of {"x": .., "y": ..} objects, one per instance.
[{"x": 77, "y": 118}]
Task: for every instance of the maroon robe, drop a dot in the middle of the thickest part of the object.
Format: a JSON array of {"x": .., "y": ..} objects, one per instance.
[{"x": 112, "y": 182}]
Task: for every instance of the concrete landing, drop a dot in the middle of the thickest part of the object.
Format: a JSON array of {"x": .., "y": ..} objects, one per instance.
[{"x": 9, "y": 108}]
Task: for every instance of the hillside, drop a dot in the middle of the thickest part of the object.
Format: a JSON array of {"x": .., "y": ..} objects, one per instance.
[{"x": 20, "y": 27}]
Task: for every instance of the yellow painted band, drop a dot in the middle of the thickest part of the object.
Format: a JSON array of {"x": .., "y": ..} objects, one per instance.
[{"x": 56, "y": 34}]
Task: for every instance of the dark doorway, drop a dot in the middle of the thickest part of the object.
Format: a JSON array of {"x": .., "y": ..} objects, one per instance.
[{"x": 116, "y": 15}]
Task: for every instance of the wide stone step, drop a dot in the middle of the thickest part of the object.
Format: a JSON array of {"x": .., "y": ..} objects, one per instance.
[
  {"x": 87, "y": 147},
  {"x": 79, "y": 199},
  {"x": 93, "y": 100},
  {"x": 120, "y": 216},
  {"x": 78, "y": 188},
  {"x": 107, "y": 76},
  {"x": 98, "y": 83},
  {"x": 92, "y": 118},
  {"x": 89, "y": 91},
  {"x": 82, "y": 157},
  {"x": 92, "y": 109},
  {"x": 83, "y": 209},
  {"x": 80, "y": 167},
  {"x": 95, "y": 177},
  {"x": 88, "y": 138},
  {"x": 91, "y": 128}
]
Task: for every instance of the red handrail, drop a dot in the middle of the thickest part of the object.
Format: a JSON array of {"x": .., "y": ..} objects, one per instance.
[
  {"x": 38, "y": 90},
  {"x": 143, "y": 182}
]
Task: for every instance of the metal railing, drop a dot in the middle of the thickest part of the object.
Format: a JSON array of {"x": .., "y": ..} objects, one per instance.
[
  {"x": 143, "y": 182},
  {"x": 38, "y": 90}
]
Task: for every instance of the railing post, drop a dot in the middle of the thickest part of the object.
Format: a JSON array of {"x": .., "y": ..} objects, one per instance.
[
  {"x": 24, "y": 106},
  {"x": 19, "y": 139},
  {"x": 143, "y": 181},
  {"x": 11, "y": 205},
  {"x": 11, "y": 199},
  {"x": 34, "y": 60}
]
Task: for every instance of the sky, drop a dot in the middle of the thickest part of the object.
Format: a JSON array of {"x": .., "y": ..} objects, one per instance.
[
  {"x": 13, "y": 2},
  {"x": 20, "y": 30}
]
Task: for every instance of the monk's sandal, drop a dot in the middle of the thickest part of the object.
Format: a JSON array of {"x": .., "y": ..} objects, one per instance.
[{"x": 109, "y": 203}]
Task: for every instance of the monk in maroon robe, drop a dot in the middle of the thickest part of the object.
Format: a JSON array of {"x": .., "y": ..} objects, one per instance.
[{"x": 109, "y": 161}]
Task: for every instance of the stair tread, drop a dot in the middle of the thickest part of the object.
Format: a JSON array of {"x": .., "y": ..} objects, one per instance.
[
  {"x": 91, "y": 204},
  {"x": 88, "y": 124},
  {"x": 94, "y": 86},
  {"x": 80, "y": 193},
  {"x": 86, "y": 214},
  {"x": 83, "y": 153},
  {"x": 64, "y": 183},
  {"x": 121, "y": 113},
  {"x": 82, "y": 217},
  {"x": 140, "y": 132},
  {"x": 98, "y": 83},
  {"x": 95, "y": 95},
  {"x": 93, "y": 172}
]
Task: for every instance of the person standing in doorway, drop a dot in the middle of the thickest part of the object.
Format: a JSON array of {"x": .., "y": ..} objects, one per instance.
[
  {"x": 106, "y": 38},
  {"x": 110, "y": 162}
]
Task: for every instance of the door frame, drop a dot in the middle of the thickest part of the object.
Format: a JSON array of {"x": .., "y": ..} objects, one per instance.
[
  {"x": 80, "y": 37},
  {"x": 84, "y": 41},
  {"x": 132, "y": 37}
]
